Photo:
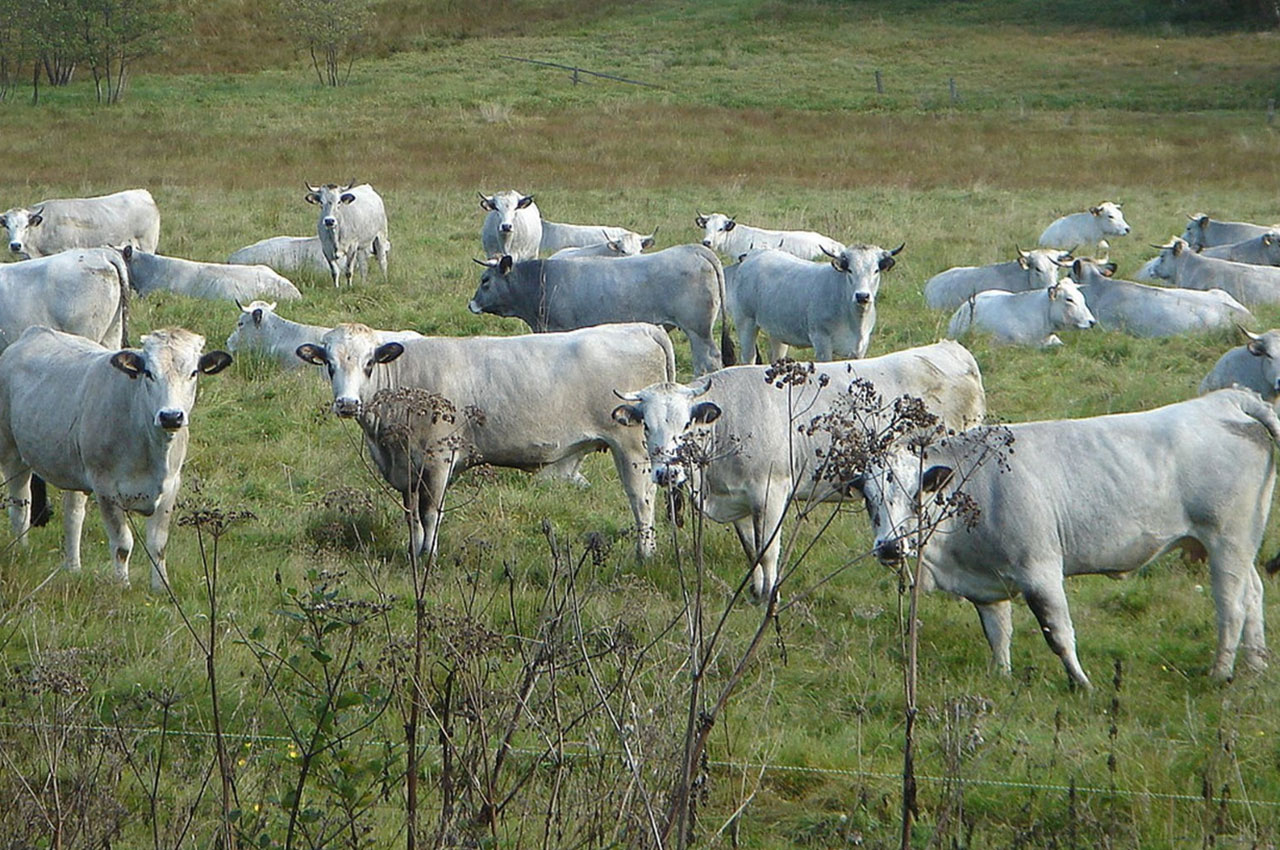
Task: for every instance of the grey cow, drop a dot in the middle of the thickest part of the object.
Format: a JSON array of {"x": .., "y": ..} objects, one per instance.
[
  {"x": 284, "y": 254},
  {"x": 1205, "y": 232},
  {"x": 213, "y": 281},
  {"x": 1248, "y": 284},
  {"x": 58, "y": 224},
  {"x": 83, "y": 291},
  {"x": 557, "y": 236},
  {"x": 680, "y": 286},
  {"x": 830, "y": 307},
  {"x": 1102, "y": 495},
  {"x": 352, "y": 226},
  {"x": 1255, "y": 365},
  {"x": 261, "y": 330},
  {"x": 1036, "y": 269},
  {"x": 531, "y": 402},
  {"x": 759, "y": 458},
  {"x": 1263, "y": 250},
  {"x": 1153, "y": 311},
  {"x": 512, "y": 225}
]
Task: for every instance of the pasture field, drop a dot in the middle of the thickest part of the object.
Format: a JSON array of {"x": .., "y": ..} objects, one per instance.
[{"x": 768, "y": 112}]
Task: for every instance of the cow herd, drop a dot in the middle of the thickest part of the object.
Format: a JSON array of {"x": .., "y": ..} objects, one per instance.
[{"x": 598, "y": 373}]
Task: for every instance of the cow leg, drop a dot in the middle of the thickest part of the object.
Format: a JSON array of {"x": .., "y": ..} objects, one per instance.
[
  {"x": 335, "y": 271},
  {"x": 747, "y": 331},
  {"x": 761, "y": 539},
  {"x": 706, "y": 357},
  {"x": 1255, "y": 639},
  {"x": 823, "y": 348},
  {"x": 777, "y": 349},
  {"x": 73, "y": 508},
  {"x": 424, "y": 531},
  {"x": 997, "y": 624},
  {"x": 637, "y": 483},
  {"x": 1229, "y": 579},
  {"x": 1048, "y": 601},
  {"x": 119, "y": 537},
  {"x": 380, "y": 249},
  {"x": 158, "y": 537},
  {"x": 566, "y": 469},
  {"x": 19, "y": 479}
]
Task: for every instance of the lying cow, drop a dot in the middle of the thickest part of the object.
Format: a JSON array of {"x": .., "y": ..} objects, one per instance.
[
  {"x": 1263, "y": 250},
  {"x": 724, "y": 234},
  {"x": 830, "y": 307},
  {"x": 681, "y": 287},
  {"x": 512, "y": 226},
  {"x": 1204, "y": 232},
  {"x": 261, "y": 330},
  {"x": 1101, "y": 495},
  {"x": 1250, "y": 285},
  {"x": 214, "y": 281},
  {"x": 1036, "y": 269},
  {"x": 627, "y": 245},
  {"x": 759, "y": 458},
  {"x": 284, "y": 254},
  {"x": 351, "y": 227},
  {"x": 110, "y": 422},
  {"x": 1088, "y": 229},
  {"x": 558, "y": 236},
  {"x": 543, "y": 401},
  {"x": 1255, "y": 365},
  {"x": 1023, "y": 318},
  {"x": 1153, "y": 311},
  {"x": 58, "y": 224}
]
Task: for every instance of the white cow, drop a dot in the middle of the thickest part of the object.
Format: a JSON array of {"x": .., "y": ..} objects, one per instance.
[
  {"x": 57, "y": 224},
  {"x": 1023, "y": 318},
  {"x": 557, "y": 236},
  {"x": 352, "y": 226},
  {"x": 531, "y": 402},
  {"x": 513, "y": 226},
  {"x": 1036, "y": 269},
  {"x": 1153, "y": 311},
  {"x": 83, "y": 291},
  {"x": 110, "y": 422},
  {"x": 1204, "y": 232},
  {"x": 1255, "y": 365},
  {"x": 214, "y": 281},
  {"x": 760, "y": 456},
  {"x": 1086, "y": 229},
  {"x": 1250, "y": 285},
  {"x": 724, "y": 234},
  {"x": 627, "y": 245},
  {"x": 830, "y": 307},
  {"x": 263, "y": 331},
  {"x": 284, "y": 254},
  {"x": 1101, "y": 495}
]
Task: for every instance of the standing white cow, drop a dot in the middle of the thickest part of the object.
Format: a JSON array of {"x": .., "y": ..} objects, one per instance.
[
  {"x": 284, "y": 254},
  {"x": 1250, "y": 285},
  {"x": 830, "y": 307},
  {"x": 1037, "y": 269},
  {"x": 58, "y": 224},
  {"x": 214, "y": 281},
  {"x": 83, "y": 292},
  {"x": 1023, "y": 318},
  {"x": 1087, "y": 229},
  {"x": 724, "y": 234},
  {"x": 1101, "y": 495},
  {"x": 352, "y": 226},
  {"x": 540, "y": 402},
  {"x": 1255, "y": 365},
  {"x": 513, "y": 226},
  {"x": 1204, "y": 232},
  {"x": 1153, "y": 311},
  {"x": 557, "y": 236},
  {"x": 760, "y": 454},
  {"x": 110, "y": 422}
]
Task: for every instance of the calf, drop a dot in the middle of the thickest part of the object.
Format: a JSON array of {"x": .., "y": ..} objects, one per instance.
[
  {"x": 213, "y": 281},
  {"x": 1086, "y": 229},
  {"x": 1023, "y": 318},
  {"x": 627, "y": 245},
  {"x": 284, "y": 254}
]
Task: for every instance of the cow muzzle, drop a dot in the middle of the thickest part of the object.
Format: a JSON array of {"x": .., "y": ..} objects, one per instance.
[
  {"x": 863, "y": 298},
  {"x": 330, "y": 223},
  {"x": 474, "y": 307},
  {"x": 505, "y": 228},
  {"x": 706, "y": 242},
  {"x": 15, "y": 247},
  {"x": 346, "y": 407},
  {"x": 890, "y": 552},
  {"x": 171, "y": 420},
  {"x": 666, "y": 475}
]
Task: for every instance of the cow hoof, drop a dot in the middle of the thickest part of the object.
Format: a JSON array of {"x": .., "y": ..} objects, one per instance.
[{"x": 1256, "y": 659}]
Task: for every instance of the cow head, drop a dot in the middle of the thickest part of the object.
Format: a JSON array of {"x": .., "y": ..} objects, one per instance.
[
  {"x": 1194, "y": 234},
  {"x": 1165, "y": 265},
  {"x": 861, "y": 266},
  {"x": 1088, "y": 270},
  {"x": 1041, "y": 266},
  {"x": 628, "y": 244},
  {"x": 249, "y": 325},
  {"x": 1110, "y": 219},
  {"x": 1067, "y": 307},
  {"x": 330, "y": 197},
  {"x": 715, "y": 229},
  {"x": 896, "y": 490},
  {"x": 493, "y": 295},
  {"x": 504, "y": 208},
  {"x": 1265, "y": 347},
  {"x": 351, "y": 353},
  {"x": 668, "y": 413},
  {"x": 164, "y": 373},
  {"x": 18, "y": 221}
]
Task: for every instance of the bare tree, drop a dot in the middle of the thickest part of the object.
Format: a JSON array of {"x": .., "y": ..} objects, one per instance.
[
  {"x": 113, "y": 34},
  {"x": 331, "y": 30}
]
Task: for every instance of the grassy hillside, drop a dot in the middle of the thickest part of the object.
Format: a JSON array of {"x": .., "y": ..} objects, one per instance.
[{"x": 767, "y": 111}]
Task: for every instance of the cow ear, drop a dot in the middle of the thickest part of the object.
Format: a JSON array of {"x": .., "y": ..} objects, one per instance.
[
  {"x": 627, "y": 414},
  {"x": 311, "y": 197},
  {"x": 705, "y": 412},
  {"x": 1053, "y": 292},
  {"x": 129, "y": 362},
  {"x": 347, "y": 197},
  {"x": 505, "y": 264},
  {"x": 486, "y": 204},
  {"x": 1177, "y": 247},
  {"x": 887, "y": 262},
  {"x": 4, "y": 222},
  {"x": 700, "y": 221},
  {"x": 730, "y": 225},
  {"x": 213, "y": 362},
  {"x": 857, "y": 483},
  {"x": 1076, "y": 268},
  {"x": 34, "y": 220},
  {"x": 127, "y": 252},
  {"x": 387, "y": 352},
  {"x": 1109, "y": 269},
  {"x": 1266, "y": 238},
  {"x": 311, "y": 353},
  {"x": 935, "y": 478},
  {"x": 524, "y": 202},
  {"x": 1096, "y": 210},
  {"x": 1022, "y": 260},
  {"x": 257, "y": 315},
  {"x": 649, "y": 241}
]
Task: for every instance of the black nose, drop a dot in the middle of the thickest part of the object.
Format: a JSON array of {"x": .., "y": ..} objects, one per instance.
[
  {"x": 706, "y": 242},
  {"x": 171, "y": 419},
  {"x": 665, "y": 476},
  {"x": 330, "y": 222},
  {"x": 506, "y": 228},
  {"x": 862, "y": 297},
  {"x": 890, "y": 551},
  {"x": 15, "y": 247}
]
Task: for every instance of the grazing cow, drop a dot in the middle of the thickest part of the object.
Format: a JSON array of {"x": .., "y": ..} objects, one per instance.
[
  {"x": 1023, "y": 318},
  {"x": 1102, "y": 495},
  {"x": 627, "y": 245},
  {"x": 759, "y": 453},
  {"x": 352, "y": 226},
  {"x": 1250, "y": 285},
  {"x": 513, "y": 226},
  {"x": 1086, "y": 229},
  {"x": 96, "y": 420},
  {"x": 830, "y": 307},
  {"x": 261, "y": 330},
  {"x": 531, "y": 402},
  {"x": 1036, "y": 269},
  {"x": 723, "y": 234},
  {"x": 1153, "y": 311},
  {"x": 214, "y": 281},
  {"x": 284, "y": 254},
  {"x": 1204, "y": 232},
  {"x": 62, "y": 223},
  {"x": 681, "y": 287},
  {"x": 1255, "y": 365},
  {"x": 1261, "y": 250},
  {"x": 557, "y": 236}
]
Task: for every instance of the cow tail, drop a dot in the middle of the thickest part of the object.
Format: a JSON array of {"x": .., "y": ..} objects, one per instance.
[
  {"x": 122, "y": 304},
  {"x": 41, "y": 513},
  {"x": 728, "y": 354},
  {"x": 1252, "y": 405},
  {"x": 663, "y": 339}
]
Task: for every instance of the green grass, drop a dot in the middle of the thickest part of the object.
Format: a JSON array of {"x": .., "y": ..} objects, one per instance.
[{"x": 769, "y": 113}]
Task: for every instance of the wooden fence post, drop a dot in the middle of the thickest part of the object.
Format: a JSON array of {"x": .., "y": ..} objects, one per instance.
[{"x": 880, "y": 83}]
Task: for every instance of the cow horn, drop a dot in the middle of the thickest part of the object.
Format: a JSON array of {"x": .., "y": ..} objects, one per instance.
[
  {"x": 243, "y": 309},
  {"x": 628, "y": 397},
  {"x": 1246, "y": 331},
  {"x": 349, "y": 185},
  {"x": 823, "y": 249},
  {"x": 1018, "y": 248},
  {"x": 896, "y": 251},
  {"x": 488, "y": 264},
  {"x": 700, "y": 388},
  {"x": 310, "y": 188}
]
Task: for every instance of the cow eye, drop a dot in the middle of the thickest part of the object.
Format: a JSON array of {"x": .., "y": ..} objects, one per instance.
[{"x": 330, "y": 367}]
